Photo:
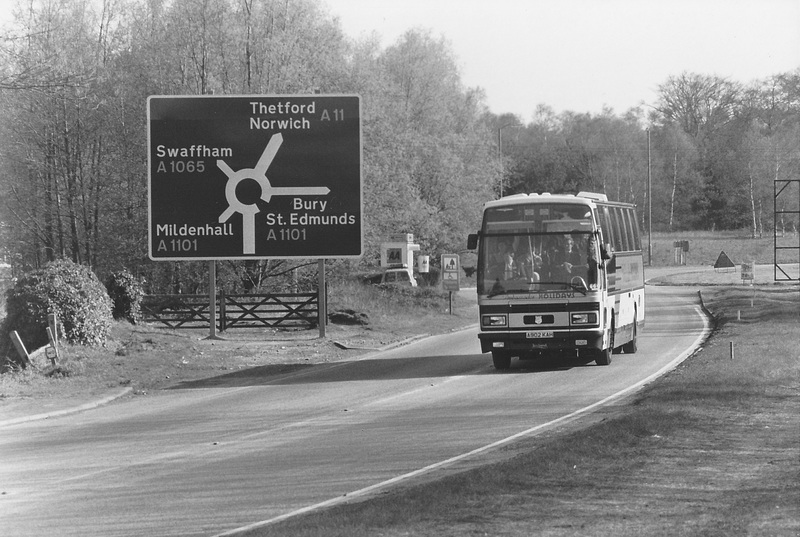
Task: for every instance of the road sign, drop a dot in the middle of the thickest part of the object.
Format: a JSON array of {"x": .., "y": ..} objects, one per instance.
[
  {"x": 724, "y": 262},
  {"x": 748, "y": 272},
  {"x": 450, "y": 272},
  {"x": 241, "y": 177}
]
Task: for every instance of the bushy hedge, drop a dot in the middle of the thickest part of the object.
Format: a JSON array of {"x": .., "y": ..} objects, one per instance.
[
  {"x": 69, "y": 290},
  {"x": 126, "y": 292}
]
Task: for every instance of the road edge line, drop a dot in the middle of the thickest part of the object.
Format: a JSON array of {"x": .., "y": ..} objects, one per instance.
[
  {"x": 64, "y": 412},
  {"x": 707, "y": 328}
]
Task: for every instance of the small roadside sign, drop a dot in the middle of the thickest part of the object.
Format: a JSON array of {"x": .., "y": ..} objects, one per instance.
[
  {"x": 450, "y": 272},
  {"x": 51, "y": 353},
  {"x": 748, "y": 272},
  {"x": 724, "y": 262}
]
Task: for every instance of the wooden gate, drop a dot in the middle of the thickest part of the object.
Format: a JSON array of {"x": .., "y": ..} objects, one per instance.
[
  {"x": 176, "y": 311},
  {"x": 280, "y": 309},
  {"x": 235, "y": 310}
]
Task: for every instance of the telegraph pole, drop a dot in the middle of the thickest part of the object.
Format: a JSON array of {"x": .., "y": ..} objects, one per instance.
[{"x": 649, "y": 205}]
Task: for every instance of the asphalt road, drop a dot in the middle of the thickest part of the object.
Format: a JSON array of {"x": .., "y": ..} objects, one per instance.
[{"x": 237, "y": 450}]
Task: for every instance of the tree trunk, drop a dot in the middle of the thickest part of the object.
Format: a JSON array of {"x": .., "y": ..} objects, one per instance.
[
  {"x": 674, "y": 188},
  {"x": 751, "y": 185}
]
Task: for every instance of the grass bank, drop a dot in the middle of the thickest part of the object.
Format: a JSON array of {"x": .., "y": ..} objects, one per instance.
[
  {"x": 705, "y": 247},
  {"x": 711, "y": 449},
  {"x": 151, "y": 357}
]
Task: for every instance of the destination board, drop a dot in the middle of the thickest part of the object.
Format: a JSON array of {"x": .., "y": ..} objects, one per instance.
[{"x": 240, "y": 177}]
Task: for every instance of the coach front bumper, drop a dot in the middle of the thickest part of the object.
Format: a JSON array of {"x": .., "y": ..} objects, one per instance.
[{"x": 541, "y": 340}]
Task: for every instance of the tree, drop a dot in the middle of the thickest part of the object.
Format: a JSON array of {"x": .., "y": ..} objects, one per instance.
[
  {"x": 75, "y": 76},
  {"x": 675, "y": 178},
  {"x": 428, "y": 153},
  {"x": 574, "y": 152},
  {"x": 59, "y": 132},
  {"x": 705, "y": 108},
  {"x": 700, "y": 104}
]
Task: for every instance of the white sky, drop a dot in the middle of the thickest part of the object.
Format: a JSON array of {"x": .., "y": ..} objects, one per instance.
[{"x": 580, "y": 55}]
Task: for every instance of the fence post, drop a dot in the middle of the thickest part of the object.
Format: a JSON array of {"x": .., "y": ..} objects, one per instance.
[
  {"x": 20, "y": 346},
  {"x": 52, "y": 322}
]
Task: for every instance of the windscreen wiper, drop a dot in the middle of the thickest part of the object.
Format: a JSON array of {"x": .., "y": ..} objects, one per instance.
[
  {"x": 504, "y": 291},
  {"x": 578, "y": 287},
  {"x": 579, "y": 284},
  {"x": 575, "y": 286}
]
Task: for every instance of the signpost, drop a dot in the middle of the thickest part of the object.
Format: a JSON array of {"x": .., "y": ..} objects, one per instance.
[
  {"x": 748, "y": 272},
  {"x": 254, "y": 177},
  {"x": 450, "y": 272},
  {"x": 450, "y": 275}
]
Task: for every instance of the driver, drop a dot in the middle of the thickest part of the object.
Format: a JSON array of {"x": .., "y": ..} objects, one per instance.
[
  {"x": 529, "y": 265},
  {"x": 564, "y": 256},
  {"x": 502, "y": 261}
]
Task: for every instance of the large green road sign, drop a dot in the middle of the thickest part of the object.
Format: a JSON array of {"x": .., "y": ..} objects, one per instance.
[{"x": 254, "y": 177}]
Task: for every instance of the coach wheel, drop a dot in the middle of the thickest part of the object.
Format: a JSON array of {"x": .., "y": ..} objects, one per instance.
[
  {"x": 604, "y": 355},
  {"x": 631, "y": 347},
  {"x": 501, "y": 360}
]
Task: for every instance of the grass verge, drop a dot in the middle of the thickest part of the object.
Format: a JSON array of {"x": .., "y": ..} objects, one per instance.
[
  {"x": 711, "y": 449},
  {"x": 149, "y": 357},
  {"x": 705, "y": 247}
]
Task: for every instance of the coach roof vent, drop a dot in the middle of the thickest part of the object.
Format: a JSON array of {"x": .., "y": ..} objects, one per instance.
[{"x": 593, "y": 196}]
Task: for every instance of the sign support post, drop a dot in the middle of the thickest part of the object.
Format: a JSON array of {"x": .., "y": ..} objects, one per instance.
[
  {"x": 212, "y": 301},
  {"x": 322, "y": 299},
  {"x": 245, "y": 177}
]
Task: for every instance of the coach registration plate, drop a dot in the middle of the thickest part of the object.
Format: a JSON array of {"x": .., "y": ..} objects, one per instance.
[{"x": 538, "y": 334}]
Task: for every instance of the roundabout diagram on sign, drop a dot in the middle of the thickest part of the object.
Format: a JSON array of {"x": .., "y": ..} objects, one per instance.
[{"x": 258, "y": 174}]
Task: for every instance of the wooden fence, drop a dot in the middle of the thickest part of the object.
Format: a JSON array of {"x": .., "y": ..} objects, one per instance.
[{"x": 234, "y": 310}]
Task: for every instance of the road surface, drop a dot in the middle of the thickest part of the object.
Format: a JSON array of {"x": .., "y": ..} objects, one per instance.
[{"x": 238, "y": 450}]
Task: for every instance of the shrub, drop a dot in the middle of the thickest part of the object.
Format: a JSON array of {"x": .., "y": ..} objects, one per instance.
[
  {"x": 69, "y": 290},
  {"x": 126, "y": 292},
  {"x": 430, "y": 278}
]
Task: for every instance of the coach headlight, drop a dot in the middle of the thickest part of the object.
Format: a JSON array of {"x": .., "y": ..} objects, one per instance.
[
  {"x": 494, "y": 321},
  {"x": 584, "y": 318}
]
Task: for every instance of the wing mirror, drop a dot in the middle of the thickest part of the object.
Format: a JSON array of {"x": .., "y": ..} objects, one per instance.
[
  {"x": 607, "y": 252},
  {"x": 472, "y": 241}
]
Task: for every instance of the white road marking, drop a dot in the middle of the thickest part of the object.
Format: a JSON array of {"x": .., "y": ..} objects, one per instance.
[{"x": 494, "y": 445}]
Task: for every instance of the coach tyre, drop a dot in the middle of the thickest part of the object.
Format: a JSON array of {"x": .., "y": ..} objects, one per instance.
[
  {"x": 604, "y": 355},
  {"x": 631, "y": 347},
  {"x": 501, "y": 360}
]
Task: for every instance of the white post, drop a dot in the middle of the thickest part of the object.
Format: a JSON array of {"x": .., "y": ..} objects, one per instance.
[
  {"x": 52, "y": 322},
  {"x": 20, "y": 346}
]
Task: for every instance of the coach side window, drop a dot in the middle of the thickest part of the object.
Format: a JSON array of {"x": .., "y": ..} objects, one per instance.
[
  {"x": 625, "y": 224},
  {"x": 634, "y": 226},
  {"x": 620, "y": 244},
  {"x": 609, "y": 234}
]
